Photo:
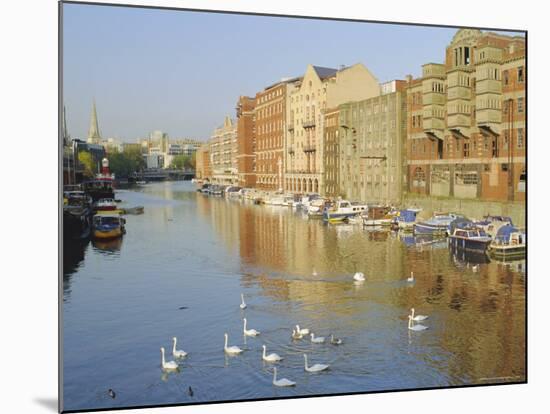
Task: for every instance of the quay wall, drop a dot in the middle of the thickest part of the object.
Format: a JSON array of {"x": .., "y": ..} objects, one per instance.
[{"x": 468, "y": 207}]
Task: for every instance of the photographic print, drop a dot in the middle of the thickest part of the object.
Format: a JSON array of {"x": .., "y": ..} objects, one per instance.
[{"x": 260, "y": 207}]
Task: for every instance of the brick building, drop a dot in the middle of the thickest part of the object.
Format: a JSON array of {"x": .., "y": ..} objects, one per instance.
[
  {"x": 246, "y": 141},
  {"x": 466, "y": 120}
]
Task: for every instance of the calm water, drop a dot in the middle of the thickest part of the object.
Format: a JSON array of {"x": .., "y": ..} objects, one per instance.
[{"x": 182, "y": 265}]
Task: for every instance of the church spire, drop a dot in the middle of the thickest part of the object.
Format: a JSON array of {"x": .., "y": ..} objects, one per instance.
[
  {"x": 93, "y": 133},
  {"x": 66, "y": 136}
]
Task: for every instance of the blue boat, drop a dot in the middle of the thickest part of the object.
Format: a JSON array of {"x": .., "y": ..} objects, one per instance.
[
  {"x": 406, "y": 219},
  {"x": 509, "y": 243},
  {"x": 438, "y": 224},
  {"x": 466, "y": 236}
]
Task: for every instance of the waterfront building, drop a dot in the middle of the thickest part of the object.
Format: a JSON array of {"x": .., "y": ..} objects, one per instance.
[
  {"x": 271, "y": 115},
  {"x": 319, "y": 89},
  {"x": 203, "y": 170},
  {"x": 331, "y": 154},
  {"x": 223, "y": 153},
  {"x": 466, "y": 134},
  {"x": 94, "y": 137},
  {"x": 371, "y": 146},
  {"x": 246, "y": 141}
]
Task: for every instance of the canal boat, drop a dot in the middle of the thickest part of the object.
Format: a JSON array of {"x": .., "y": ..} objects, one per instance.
[
  {"x": 343, "y": 210},
  {"x": 316, "y": 208},
  {"x": 105, "y": 204},
  {"x": 377, "y": 216},
  {"x": 405, "y": 220},
  {"x": 466, "y": 236},
  {"x": 509, "y": 243},
  {"x": 77, "y": 211},
  {"x": 438, "y": 224},
  {"x": 108, "y": 226},
  {"x": 232, "y": 191},
  {"x": 492, "y": 224},
  {"x": 132, "y": 210}
]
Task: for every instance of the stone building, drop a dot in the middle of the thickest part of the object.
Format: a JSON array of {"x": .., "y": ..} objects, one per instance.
[
  {"x": 466, "y": 120},
  {"x": 223, "y": 153},
  {"x": 246, "y": 141},
  {"x": 331, "y": 153},
  {"x": 319, "y": 89},
  {"x": 372, "y": 146},
  {"x": 202, "y": 166}
]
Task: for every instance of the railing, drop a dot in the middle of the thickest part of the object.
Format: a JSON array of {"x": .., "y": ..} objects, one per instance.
[
  {"x": 309, "y": 124},
  {"x": 310, "y": 148}
]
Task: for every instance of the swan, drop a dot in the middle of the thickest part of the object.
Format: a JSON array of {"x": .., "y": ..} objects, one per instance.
[
  {"x": 335, "y": 341},
  {"x": 417, "y": 318},
  {"x": 475, "y": 268},
  {"x": 296, "y": 334},
  {"x": 167, "y": 366},
  {"x": 416, "y": 327},
  {"x": 231, "y": 349},
  {"x": 242, "y": 305},
  {"x": 359, "y": 277},
  {"x": 304, "y": 331},
  {"x": 318, "y": 340},
  {"x": 314, "y": 273},
  {"x": 314, "y": 368},
  {"x": 283, "y": 382},
  {"x": 249, "y": 332},
  {"x": 175, "y": 352},
  {"x": 411, "y": 278},
  {"x": 270, "y": 357}
]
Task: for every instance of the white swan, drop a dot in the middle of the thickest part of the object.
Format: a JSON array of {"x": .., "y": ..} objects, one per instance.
[
  {"x": 167, "y": 366},
  {"x": 249, "y": 332},
  {"x": 242, "y": 305},
  {"x": 359, "y": 277},
  {"x": 231, "y": 349},
  {"x": 175, "y": 352},
  {"x": 270, "y": 357},
  {"x": 411, "y": 278},
  {"x": 418, "y": 318},
  {"x": 296, "y": 334},
  {"x": 314, "y": 368},
  {"x": 283, "y": 382},
  {"x": 416, "y": 327},
  {"x": 475, "y": 268},
  {"x": 304, "y": 331},
  {"x": 314, "y": 273},
  {"x": 335, "y": 341},
  {"x": 318, "y": 340}
]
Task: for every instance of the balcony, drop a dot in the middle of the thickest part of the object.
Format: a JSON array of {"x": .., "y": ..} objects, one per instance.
[
  {"x": 291, "y": 150},
  {"x": 309, "y": 124},
  {"x": 488, "y": 86},
  {"x": 458, "y": 120},
  {"x": 310, "y": 148},
  {"x": 433, "y": 124},
  {"x": 291, "y": 126}
]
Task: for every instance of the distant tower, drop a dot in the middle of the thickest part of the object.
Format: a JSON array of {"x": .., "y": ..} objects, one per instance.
[
  {"x": 66, "y": 136},
  {"x": 93, "y": 133}
]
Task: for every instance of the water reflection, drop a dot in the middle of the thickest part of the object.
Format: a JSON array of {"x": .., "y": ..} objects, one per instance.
[{"x": 180, "y": 270}]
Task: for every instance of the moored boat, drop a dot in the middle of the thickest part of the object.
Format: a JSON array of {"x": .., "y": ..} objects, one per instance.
[
  {"x": 464, "y": 235},
  {"x": 406, "y": 219},
  {"x": 108, "y": 226},
  {"x": 343, "y": 210},
  {"x": 438, "y": 224},
  {"x": 105, "y": 204},
  {"x": 509, "y": 243},
  {"x": 377, "y": 216}
]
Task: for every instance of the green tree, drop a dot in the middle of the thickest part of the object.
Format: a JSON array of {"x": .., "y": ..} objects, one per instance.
[
  {"x": 86, "y": 160},
  {"x": 181, "y": 162},
  {"x": 127, "y": 162}
]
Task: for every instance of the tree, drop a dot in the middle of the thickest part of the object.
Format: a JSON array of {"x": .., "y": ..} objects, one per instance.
[
  {"x": 86, "y": 160},
  {"x": 181, "y": 162},
  {"x": 127, "y": 162}
]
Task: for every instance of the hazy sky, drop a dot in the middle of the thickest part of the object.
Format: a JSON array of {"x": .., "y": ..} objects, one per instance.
[{"x": 182, "y": 72}]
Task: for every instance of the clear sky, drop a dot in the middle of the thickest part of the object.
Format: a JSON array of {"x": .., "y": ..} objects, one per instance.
[{"x": 182, "y": 72}]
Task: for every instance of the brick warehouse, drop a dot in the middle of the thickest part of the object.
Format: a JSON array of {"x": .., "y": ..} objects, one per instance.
[
  {"x": 246, "y": 142},
  {"x": 466, "y": 120}
]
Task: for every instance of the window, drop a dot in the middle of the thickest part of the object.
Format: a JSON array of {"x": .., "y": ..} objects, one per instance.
[
  {"x": 505, "y": 77},
  {"x": 520, "y": 74},
  {"x": 520, "y": 105},
  {"x": 466, "y": 150},
  {"x": 506, "y": 137},
  {"x": 504, "y": 167},
  {"x": 520, "y": 138}
]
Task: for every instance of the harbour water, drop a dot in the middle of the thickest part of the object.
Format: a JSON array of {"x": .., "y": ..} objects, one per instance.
[{"x": 180, "y": 270}]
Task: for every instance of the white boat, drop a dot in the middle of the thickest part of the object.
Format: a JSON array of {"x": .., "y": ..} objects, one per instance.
[
  {"x": 316, "y": 207},
  {"x": 343, "y": 210},
  {"x": 509, "y": 243}
]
